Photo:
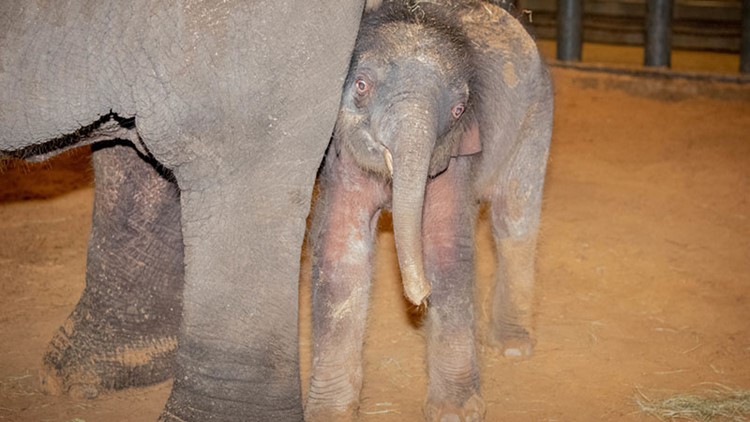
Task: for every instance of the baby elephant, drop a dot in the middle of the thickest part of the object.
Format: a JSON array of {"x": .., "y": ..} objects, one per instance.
[{"x": 447, "y": 104}]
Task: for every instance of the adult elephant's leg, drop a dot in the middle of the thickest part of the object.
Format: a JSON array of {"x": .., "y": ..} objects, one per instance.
[
  {"x": 122, "y": 333},
  {"x": 246, "y": 173}
]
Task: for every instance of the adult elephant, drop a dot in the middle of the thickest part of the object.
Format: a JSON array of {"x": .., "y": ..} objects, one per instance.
[{"x": 235, "y": 101}]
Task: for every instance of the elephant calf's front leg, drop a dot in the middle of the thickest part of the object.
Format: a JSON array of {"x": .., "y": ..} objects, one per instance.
[
  {"x": 342, "y": 241},
  {"x": 453, "y": 391}
]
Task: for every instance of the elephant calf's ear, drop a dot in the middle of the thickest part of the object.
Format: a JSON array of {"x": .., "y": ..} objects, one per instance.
[
  {"x": 461, "y": 140},
  {"x": 469, "y": 144}
]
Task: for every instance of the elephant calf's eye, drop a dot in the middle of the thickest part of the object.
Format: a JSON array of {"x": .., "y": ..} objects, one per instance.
[
  {"x": 458, "y": 110},
  {"x": 362, "y": 86}
]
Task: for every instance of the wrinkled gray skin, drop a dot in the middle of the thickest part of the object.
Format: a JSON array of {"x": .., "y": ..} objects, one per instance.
[
  {"x": 236, "y": 101},
  {"x": 123, "y": 331},
  {"x": 425, "y": 82}
]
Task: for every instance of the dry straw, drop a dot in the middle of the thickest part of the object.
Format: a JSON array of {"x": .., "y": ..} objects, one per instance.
[{"x": 720, "y": 403}]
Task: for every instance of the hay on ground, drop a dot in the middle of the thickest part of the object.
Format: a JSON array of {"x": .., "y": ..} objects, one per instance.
[{"x": 722, "y": 403}]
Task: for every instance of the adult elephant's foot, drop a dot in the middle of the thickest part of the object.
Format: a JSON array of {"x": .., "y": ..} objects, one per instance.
[
  {"x": 470, "y": 411},
  {"x": 123, "y": 330},
  {"x": 85, "y": 360}
]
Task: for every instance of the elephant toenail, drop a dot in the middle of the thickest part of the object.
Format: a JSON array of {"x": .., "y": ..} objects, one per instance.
[
  {"x": 513, "y": 353},
  {"x": 450, "y": 418}
]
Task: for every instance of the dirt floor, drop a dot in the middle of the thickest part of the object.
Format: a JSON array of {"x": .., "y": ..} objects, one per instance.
[{"x": 643, "y": 274}]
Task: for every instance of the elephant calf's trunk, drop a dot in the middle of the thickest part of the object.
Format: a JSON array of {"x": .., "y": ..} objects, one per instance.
[
  {"x": 407, "y": 234},
  {"x": 410, "y": 167},
  {"x": 416, "y": 287}
]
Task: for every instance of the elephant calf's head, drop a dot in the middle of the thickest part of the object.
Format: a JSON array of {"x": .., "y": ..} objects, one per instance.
[{"x": 406, "y": 106}]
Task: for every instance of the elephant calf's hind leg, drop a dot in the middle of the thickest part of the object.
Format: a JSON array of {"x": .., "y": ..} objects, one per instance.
[
  {"x": 513, "y": 297},
  {"x": 515, "y": 224}
]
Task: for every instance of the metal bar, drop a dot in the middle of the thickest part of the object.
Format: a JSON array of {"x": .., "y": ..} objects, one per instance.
[
  {"x": 745, "y": 47},
  {"x": 569, "y": 30},
  {"x": 658, "y": 49},
  {"x": 508, "y": 5}
]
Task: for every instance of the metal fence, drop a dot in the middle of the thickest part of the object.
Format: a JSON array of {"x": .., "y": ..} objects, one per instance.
[{"x": 719, "y": 25}]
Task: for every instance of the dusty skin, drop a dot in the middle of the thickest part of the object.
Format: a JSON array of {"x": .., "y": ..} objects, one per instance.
[{"x": 643, "y": 275}]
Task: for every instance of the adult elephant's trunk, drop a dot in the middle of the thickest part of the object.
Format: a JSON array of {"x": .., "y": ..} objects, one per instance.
[{"x": 411, "y": 160}]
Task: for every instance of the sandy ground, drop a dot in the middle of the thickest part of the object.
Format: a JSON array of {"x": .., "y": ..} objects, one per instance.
[{"x": 643, "y": 274}]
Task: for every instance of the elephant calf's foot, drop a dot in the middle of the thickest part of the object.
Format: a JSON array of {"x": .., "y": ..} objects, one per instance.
[
  {"x": 513, "y": 342},
  {"x": 85, "y": 362},
  {"x": 324, "y": 414},
  {"x": 471, "y": 411}
]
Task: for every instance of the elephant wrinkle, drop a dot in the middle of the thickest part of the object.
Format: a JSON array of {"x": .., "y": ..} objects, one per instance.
[
  {"x": 334, "y": 389},
  {"x": 139, "y": 355},
  {"x": 87, "y": 381}
]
